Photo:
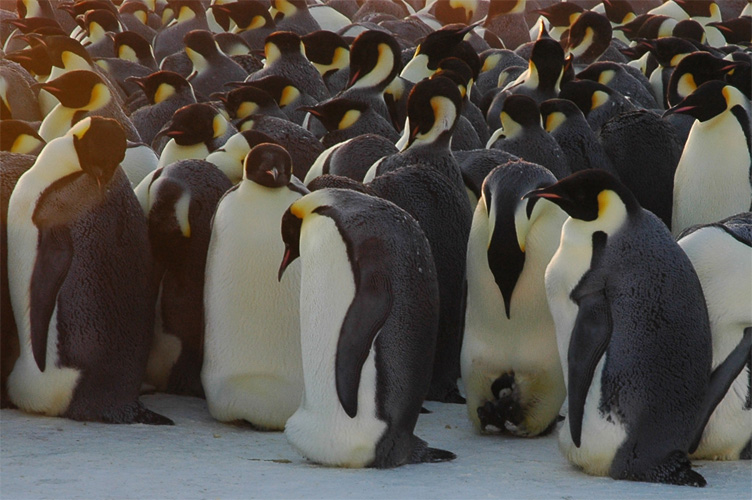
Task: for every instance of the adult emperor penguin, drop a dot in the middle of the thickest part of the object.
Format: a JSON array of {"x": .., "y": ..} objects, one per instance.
[
  {"x": 510, "y": 361},
  {"x": 633, "y": 336},
  {"x": 721, "y": 253},
  {"x": 252, "y": 360},
  {"x": 712, "y": 180},
  {"x": 79, "y": 273},
  {"x": 81, "y": 93},
  {"x": 364, "y": 376},
  {"x": 212, "y": 68},
  {"x": 182, "y": 198},
  {"x": 231, "y": 156}
]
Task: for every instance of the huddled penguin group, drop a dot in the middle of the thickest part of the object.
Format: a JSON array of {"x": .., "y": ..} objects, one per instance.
[{"x": 318, "y": 214}]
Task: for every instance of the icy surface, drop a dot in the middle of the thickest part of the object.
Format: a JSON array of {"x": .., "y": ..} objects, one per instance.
[{"x": 45, "y": 457}]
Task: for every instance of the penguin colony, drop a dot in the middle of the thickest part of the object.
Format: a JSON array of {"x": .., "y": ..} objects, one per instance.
[{"x": 319, "y": 214}]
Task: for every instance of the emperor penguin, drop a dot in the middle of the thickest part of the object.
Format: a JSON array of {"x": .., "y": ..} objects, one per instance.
[
  {"x": 721, "y": 253},
  {"x": 252, "y": 359},
  {"x": 633, "y": 335},
  {"x": 231, "y": 156},
  {"x": 182, "y": 198},
  {"x": 510, "y": 360},
  {"x": 79, "y": 272},
  {"x": 368, "y": 348},
  {"x": 712, "y": 180},
  {"x": 212, "y": 68}
]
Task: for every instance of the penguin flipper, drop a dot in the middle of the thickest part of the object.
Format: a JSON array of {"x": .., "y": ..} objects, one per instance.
[
  {"x": 590, "y": 337},
  {"x": 366, "y": 315},
  {"x": 55, "y": 253},
  {"x": 722, "y": 378}
]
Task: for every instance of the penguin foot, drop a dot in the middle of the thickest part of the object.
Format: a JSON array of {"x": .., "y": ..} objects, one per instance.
[
  {"x": 136, "y": 414},
  {"x": 676, "y": 469},
  {"x": 423, "y": 454},
  {"x": 452, "y": 395},
  {"x": 424, "y": 410}
]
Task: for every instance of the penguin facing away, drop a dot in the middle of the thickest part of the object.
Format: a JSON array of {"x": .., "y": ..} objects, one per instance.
[
  {"x": 633, "y": 336},
  {"x": 721, "y": 253},
  {"x": 79, "y": 274},
  {"x": 509, "y": 345},
  {"x": 364, "y": 377},
  {"x": 252, "y": 363}
]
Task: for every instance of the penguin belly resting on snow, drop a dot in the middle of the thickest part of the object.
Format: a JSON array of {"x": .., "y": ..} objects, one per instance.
[
  {"x": 252, "y": 363},
  {"x": 509, "y": 345},
  {"x": 633, "y": 335},
  {"x": 79, "y": 271},
  {"x": 369, "y": 308}
]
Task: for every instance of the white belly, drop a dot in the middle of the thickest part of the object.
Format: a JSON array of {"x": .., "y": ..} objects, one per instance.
[
  {"x": 252, "y": 362},
  {"x": 320, "y": 429},
  {"x": 724, "y": 267},
  {"x": 712, "y": 179}
]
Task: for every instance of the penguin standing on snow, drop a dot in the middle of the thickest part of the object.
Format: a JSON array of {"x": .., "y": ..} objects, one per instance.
[
  {"x": 721, "y": 253},
  {"x": 252, "y": 364},
  {"x": 182, "y": 199},
  {"x": 510, "y": 361},
  {"x": 713, "y": 179},
  {"x": 79, "y": 272},
  {"x": 633, "y": 336},
  {"x": 367, "y": 348}
]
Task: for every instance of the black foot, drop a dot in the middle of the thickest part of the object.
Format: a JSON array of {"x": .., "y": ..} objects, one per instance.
[
  {"x": 133, "y": 414},
  {"x": 425, "y": 410},
  {"x": 677, "y": 469}
]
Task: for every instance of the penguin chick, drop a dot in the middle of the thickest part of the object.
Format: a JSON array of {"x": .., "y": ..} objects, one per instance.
[
  {"x": 510, "y": 361},
  {"x": 79, "y": 267},
  {"x": 623, "y": 294},
  {"x": 81, "y": 93},
  {"x": 252, "y": 319},
  {"x": 376, "y": 257},
  {"x": 712, "y": 180},
  {"x": 721, "y": 253},
  {"x": 522, "y": 135}
]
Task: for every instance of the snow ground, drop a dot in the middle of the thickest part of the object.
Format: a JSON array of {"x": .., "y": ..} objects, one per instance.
[{"x": 42, "y": 457}]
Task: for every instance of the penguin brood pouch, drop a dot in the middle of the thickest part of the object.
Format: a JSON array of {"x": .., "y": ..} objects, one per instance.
[
  {"x": 368, "y": 319},
  {"x": 79, "y": 274},
  {"x": 633, "y": 334}
]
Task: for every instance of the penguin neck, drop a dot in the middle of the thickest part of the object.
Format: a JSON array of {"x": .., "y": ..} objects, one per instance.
[
  {"x": 57, "y": 122},
  {"x": 57, "y": 160},
  {"x": 173, "y": 152},
  {"x": 380, "y": 75},
  {"x": 612, "y": 216}
]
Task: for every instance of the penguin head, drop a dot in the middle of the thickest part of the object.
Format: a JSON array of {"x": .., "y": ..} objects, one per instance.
[
  {"x": 435, "y": 47},
  {"x": 162, "y": 85},
  {"x": 100, "y": 145},
  {"x": 619, "y": 11},
  {"x": 338, "y": 113},
  {"x": 737, "y": 31},
  {"x": 694, "y": 70},
  {"x": 19, "y": 137},
  {"x": 200, "y": 46},
  {"x": 66, "y": 52},
  {"x": 555, "y": 112},
  {"x": 194, "y": 124},
  {"x": 632, "y": 28},
  {"x": 546, "y": 64},
  {"x": 504, "y": 7},
  {"x": 602, "y": 72},
  {"x": 689, "y": 29},
  {"x": 80, "y": 89},
  {"x": 247, "y": 100},
  {"x": 455, "y": 11},
  {"x": 280, "y": 43},
  {"x": 269, "y": 165},
  {"x": 230, "y": 157},
  {"x": 519, "y": 112},
  {"x": 561, "y": 14},
  {"x": 586, "y": 94},
  {"x": 280, "y": 88},
  {"x": 281, "y": 9},
  {"x": 327, "y": 51},
  {"x": 710, "y": 100},
  {"x": 374, "y": 60},
  {"x": 590, "y": 195},
  {"x": 98, "y": 22},
  {"x": 246, "y": 15},
  {"x": 131, "y": 46},
  {"x": 670, "y": 50},
  {"x": 231, "y": 44},
  {"x": 183, "y": 10},
  {"x": 33, "y": 24},
  {"x": 292, "y": 223},
  {"x": 138, "y": 10},
  {"x": 459, "y": 72},
  {"x": 510, "y": 218},
  {"x": 433, "y": 109},
  {"x": 589, "y": 36},
  {"x": 34, "y": 60},
  {"x": 700, "y": 8}
]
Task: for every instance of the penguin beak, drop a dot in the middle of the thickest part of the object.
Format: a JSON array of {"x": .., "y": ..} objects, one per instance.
[
  {"x": 353, "y": 79},
  {"x": 681, "y": 110},
  {"x": 286, "y": 261},
  {"x": 542, "y": 193}
]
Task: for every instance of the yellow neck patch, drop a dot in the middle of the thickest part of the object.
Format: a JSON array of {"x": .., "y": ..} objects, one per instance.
[
  {"x": 349, "y": 119},
  {"x": 219, "y": 124},
  {"x": 598, "y": 99},
  {"x": 554, "y": 121},
  {"x": 164, "y": 91},
  {"x": 246, "y": 109},
  {"x": 289, "y": 95}
]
